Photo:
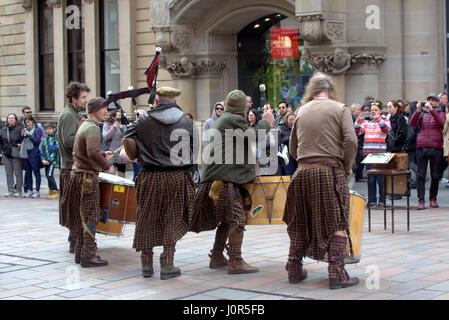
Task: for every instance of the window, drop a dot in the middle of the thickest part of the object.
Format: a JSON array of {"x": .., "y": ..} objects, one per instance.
[
  {"x": 75, "y": 46},
  {"x": 46, "y": 57},
  {"x": 109, "y": 47}
]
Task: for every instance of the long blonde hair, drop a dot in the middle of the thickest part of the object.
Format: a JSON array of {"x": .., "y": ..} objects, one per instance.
[{"x": 318, "y": 83}]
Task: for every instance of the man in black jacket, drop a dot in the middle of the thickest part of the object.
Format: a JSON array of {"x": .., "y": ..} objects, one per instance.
[{"x": 165, "y": 189}]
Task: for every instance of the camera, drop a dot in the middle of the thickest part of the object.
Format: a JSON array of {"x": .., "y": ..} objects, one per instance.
[{"x": 367, "y": 115}]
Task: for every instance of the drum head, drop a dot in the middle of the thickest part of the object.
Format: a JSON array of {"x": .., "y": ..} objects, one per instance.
[{"x": 113, "y": 179}]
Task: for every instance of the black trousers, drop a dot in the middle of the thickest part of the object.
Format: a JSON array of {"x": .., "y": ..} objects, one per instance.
[
  {"x": 49, "y": 173},
  {"x": 423, "y": 156}
]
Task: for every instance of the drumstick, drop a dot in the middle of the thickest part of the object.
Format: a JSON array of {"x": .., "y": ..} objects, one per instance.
[{"x": 118, "y": 149}]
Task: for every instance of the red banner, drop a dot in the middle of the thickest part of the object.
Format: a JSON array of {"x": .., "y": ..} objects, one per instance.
[{"x": 284, "y": 42}]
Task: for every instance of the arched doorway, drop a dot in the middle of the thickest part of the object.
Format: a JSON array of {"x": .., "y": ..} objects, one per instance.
[{"x": 269, "y": 52}]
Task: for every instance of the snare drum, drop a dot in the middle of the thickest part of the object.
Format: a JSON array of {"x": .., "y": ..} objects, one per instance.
[
  {"x": 118, "y": 196},
  {"x": 356, "y": 216},
  {"x": 355, "y": 221},
  {"x": 267, "y": 196}
]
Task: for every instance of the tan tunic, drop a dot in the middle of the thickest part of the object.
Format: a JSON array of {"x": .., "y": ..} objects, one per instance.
[{"x": 324, "y": 128}]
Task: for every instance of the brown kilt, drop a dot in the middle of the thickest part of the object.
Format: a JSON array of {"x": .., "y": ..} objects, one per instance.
[
  {"x": 229, "y": 208},
  {"x": 164, "y": 206},
  {"x": 64, "y": 177},
  {"x": 313, "y": 211},
  {"x": 90, "y": 207}
]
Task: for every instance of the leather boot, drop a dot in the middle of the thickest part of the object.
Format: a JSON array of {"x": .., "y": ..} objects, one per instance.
[
  {"x": 93, "y": 261},
  {"x": 168, "y": 270},
  {"x": 147, "y": 263},
  {"x": 77, "y": 258},
  {"x": 217, "y": 258},
  {"x": 338, "y": 277},
  {"x": 236, "y": 264},
  {"x": 294, "y": 266}
]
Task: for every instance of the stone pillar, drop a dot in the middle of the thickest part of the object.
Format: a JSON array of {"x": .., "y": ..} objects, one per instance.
[
  {"x": 187, "y": 99},
  {"x": 92, "y": 46},
  {"x": 60, "y": 55},
  {"x": 127, "y": 44}
]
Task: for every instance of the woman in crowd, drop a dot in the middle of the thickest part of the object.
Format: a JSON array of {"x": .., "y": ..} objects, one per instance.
[
  {"x": 113, "y": 131},
  {"x": 253, "y": 117},
  {"x": 31, "y": 156},
  {"x": 11, "y": 136},
  {"x": 397, "y": 136},
  {"x": 375, "y": 129},
  {"x": 286, "y": 130}
]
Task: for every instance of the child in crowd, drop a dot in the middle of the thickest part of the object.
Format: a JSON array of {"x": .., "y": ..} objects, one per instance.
[{"x": 50, "y": 158}]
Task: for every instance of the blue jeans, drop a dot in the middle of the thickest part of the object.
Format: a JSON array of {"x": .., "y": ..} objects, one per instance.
[{"x": 375, "y": 181}]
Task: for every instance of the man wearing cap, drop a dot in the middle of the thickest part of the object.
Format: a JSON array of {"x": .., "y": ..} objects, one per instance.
[
  {"x": 164, "y": 186},
  {"x": 83, "y": 188},
  {"x": 223, "y": 181},
  {"x": 429, "y": 147},
  {"x": 68, "y": 123}
]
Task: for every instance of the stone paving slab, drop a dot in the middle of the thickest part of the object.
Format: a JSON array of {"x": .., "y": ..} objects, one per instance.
[{"x": 35, "y": 262}]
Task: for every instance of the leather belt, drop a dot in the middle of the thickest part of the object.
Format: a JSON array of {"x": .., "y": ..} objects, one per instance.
[{"x": 314, "y": 165}]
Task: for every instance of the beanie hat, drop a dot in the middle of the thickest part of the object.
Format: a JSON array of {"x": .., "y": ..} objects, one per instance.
[
  {"x": 434, "y": 97},
  {"x": 236, "y": 102},
  {"x": 95, "y": 104}
]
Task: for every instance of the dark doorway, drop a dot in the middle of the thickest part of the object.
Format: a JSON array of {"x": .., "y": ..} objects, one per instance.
[{"x": 283, "y": 72}]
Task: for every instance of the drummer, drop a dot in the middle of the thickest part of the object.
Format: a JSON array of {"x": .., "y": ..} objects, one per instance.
[
  {"x": 83, "y": 185},
  {"x": 164, "y": 187},
  {"x": 224, "y": 181},
  {"x": 317, "y": 206}
]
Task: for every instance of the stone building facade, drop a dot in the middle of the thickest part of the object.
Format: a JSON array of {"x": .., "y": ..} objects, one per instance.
[{"x": 381, "y": 48}]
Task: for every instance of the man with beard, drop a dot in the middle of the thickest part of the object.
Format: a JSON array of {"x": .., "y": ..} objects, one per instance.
[{"x": 68, "y": 124}]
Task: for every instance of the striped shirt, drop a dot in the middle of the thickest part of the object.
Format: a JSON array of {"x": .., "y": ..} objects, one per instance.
[{"x": 375, "y": 131}]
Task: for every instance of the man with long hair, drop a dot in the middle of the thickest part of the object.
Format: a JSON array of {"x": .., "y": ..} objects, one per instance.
[{"x": 317, "y": 206}]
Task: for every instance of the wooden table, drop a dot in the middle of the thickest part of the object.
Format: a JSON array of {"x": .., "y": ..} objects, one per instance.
[{"x": 402, "y": 189}]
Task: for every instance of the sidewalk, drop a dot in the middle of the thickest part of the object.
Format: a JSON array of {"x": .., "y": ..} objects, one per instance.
[{"x": 35, "y": 262}]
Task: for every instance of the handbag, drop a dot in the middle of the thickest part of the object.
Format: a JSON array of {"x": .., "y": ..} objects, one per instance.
[
  {"x": 283, "y": 154},
  {"x": 14, "y": 151}
]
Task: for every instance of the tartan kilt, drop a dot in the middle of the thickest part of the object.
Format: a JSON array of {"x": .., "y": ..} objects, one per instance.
[
  {"x": 164, "y": 206},
  {"x": 313, "y": 208},
  {"x": 64, "y": 177},
  {"x": 206, "y": 217}
]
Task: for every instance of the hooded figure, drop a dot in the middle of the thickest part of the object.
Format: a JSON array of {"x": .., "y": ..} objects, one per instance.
[{"x": 209, "y": 122}]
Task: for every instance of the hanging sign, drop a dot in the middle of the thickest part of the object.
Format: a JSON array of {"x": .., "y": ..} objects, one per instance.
[{"x": 284, "y": 42}]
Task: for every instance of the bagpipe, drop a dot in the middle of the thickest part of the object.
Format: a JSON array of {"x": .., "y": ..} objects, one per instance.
[{"x": 151, "y": 79}]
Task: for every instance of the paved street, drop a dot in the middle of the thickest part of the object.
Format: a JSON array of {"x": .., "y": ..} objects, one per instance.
[{"x": 35, "y": 262}]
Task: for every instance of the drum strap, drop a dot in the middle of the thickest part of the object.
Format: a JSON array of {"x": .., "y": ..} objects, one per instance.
[{"x": 342, "y": 211}]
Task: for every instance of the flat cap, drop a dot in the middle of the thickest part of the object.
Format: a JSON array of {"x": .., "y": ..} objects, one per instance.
[
  {"x": 168, "y": 92},
  {"x": 95, "y": 104}
]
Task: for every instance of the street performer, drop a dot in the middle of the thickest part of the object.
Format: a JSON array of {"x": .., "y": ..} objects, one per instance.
[
  {"x": 223, "y": 181},
  {"x": 84, "y": 187},
  {"x": 317, "y": 205},
  {"x": 68, "y": 124},
  {"x": 164, "y": 187}
]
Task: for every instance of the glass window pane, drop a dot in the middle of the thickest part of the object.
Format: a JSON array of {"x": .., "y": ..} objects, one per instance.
[
  {"x": 112, "y": 71},
  {"x": 46, "y": 59},
  {"x": 76, "y": 67},
  {"x": 47, "y": 83},
  {"x": 110, "y": 24}
]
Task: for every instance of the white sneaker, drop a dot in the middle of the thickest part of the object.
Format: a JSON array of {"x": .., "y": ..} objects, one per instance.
[
  {"x": 28, "y": 194},
  {"x": 8, "y": 194},
  {"x": 35, "y": 194},
  {"x": 18, "y": 195}
]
